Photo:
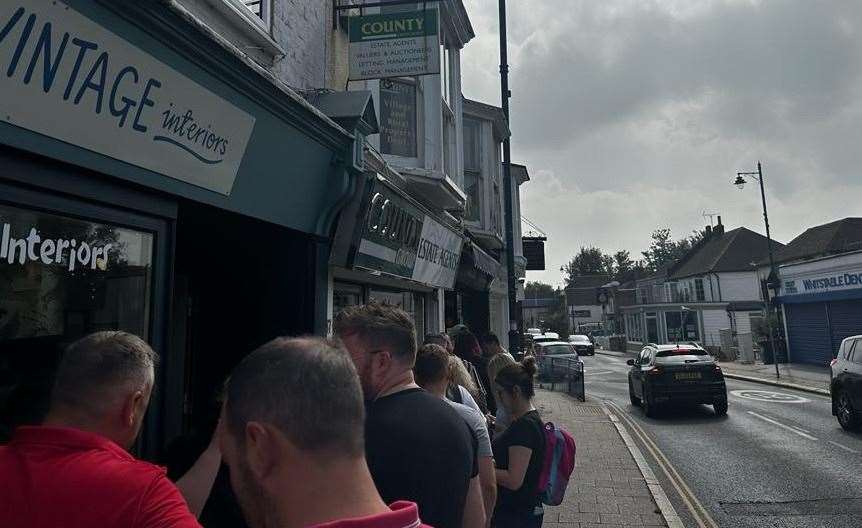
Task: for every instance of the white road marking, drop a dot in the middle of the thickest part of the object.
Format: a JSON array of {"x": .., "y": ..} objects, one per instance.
[
  {"x": 779, "y": 424},
  {"x": 601, "y": 372},
  {"x": 769, "y": 396},
  {"x": 844, "y": 447},
  {"x": 800, "y": 429}
]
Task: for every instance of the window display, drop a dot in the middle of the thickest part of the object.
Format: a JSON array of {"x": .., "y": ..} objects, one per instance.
[{"x": 61, "y": 278}]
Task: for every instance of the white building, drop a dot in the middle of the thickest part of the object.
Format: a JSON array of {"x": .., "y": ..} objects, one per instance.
[{"x": 714, "y": 286}]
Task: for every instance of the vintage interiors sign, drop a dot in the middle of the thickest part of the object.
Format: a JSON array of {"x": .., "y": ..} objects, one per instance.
[
  {"x": 394, "y": 45},
  {"x": 71, "y": 79},
  {"x": 401, "y": 240}
]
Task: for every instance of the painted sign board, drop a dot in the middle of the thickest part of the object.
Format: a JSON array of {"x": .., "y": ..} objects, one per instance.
[
  {"x": 400, "y": 239},
  {"x": 822, "y": 283},
  {"x": 71, "y": 79},
  {"x": 401, "y": 44}
]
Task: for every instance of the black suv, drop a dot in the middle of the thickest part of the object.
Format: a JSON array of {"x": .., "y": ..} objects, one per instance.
[
  {"x": 683, "y": 373},
  {"x": 846, "y": 383}
]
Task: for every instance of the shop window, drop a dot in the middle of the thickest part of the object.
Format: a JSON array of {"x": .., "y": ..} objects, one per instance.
[
  {"x": 398, "y": 118},
  {"x": 408, "y": 301},
  {"x": 62, "y": 278},
  {"x": 345, "y": 295},
  {"x": 682, "y": 326}
]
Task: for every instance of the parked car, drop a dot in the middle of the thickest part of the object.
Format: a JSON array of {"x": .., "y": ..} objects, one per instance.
[
  {"x": 683, "y": 373},
  {"x": 583, "y": 345},
  {"x": 549, "y": 337},
  {"x": 845, "y": 383},
  {"x": 551, "y": 358},
  {"x": 534, "y": 331}
]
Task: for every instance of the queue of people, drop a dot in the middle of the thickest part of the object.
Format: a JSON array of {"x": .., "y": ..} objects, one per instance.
[{"x": 364, "y": 430}]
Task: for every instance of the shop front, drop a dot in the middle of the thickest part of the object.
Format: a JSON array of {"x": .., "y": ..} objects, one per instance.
[
  {"x": 822, "y": 304},
  {"x": 472, "y": 303},
  {"x": 392, "y": 250},
  {"x": 150, "y": 187}
]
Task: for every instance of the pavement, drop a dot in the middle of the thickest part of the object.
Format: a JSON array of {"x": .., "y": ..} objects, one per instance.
[
  {"x": 797, "y": 376},
  {"x": 778, "y": 459},
  {"x": 608, "y": 488}
]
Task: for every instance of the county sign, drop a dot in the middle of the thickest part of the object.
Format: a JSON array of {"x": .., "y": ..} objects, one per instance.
[{"x": 394, "y": 45}]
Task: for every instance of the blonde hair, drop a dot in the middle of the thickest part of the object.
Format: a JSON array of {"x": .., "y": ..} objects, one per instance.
[{"x": 458, "y": 375}]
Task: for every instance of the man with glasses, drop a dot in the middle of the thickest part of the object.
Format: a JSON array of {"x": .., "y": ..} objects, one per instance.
[{"x": 418, "y": 447}]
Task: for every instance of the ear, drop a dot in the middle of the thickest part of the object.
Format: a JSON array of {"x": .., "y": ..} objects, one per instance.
[
  {"x": 261, "y": 449},
  {"x": 134, "y": 408}
]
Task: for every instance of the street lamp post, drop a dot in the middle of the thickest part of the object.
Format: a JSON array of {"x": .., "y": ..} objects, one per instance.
[{"x": 740, "y": 183}]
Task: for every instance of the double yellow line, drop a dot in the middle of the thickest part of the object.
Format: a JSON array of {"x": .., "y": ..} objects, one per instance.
[{"x": 698, "y": 512}]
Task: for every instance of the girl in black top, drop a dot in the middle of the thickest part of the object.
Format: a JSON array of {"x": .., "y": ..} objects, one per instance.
[{"x": 519, "y": 451}]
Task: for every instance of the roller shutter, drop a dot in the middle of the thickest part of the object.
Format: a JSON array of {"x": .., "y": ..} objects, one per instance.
[
  {"x": 845, "y": 320},
  {"x": 808, "y": 333}
]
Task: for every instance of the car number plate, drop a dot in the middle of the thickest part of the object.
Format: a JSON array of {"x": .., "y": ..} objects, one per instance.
[{"x": 687, "y": 375}]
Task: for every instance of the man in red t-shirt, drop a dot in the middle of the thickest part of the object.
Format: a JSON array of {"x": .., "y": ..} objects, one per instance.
[
  {"x": 74, "y": 470},
  {"x": 292, "y": 436}
]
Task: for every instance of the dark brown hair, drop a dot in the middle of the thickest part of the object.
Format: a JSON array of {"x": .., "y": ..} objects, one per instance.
[
  {"x": 432, "y": 364},
  {"x": 379, "y": 326},
  {"x": 518, "y": 375},
  {"x": 307, "y": 387}
]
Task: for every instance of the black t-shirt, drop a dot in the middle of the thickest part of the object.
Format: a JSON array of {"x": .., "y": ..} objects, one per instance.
[
  {"x": 527, "y": 431},
  {"x": 420, "y": 449}
]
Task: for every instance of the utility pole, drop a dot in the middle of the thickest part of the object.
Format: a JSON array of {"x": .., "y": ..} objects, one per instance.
[{"x": 514, "y": 334}]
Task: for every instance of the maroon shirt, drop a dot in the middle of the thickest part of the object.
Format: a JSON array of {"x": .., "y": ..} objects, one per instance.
[
  {"x": 56, "y": 477},
  {"x": 403, "y": 514}
]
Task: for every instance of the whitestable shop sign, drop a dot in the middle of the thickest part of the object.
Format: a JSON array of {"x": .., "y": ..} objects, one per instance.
[
  {"x": 394, "y": 45},
  {"x": 71, "y": 79}
]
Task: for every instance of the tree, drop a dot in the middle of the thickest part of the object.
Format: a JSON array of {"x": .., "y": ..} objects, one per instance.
[
  {"x": 589, "y": 261},
  {"x": 664, "y": 250},
  {"x": 538, "y": 290}
]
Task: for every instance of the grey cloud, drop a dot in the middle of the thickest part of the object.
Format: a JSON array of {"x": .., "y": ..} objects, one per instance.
[{"x": 634, "y": 114}]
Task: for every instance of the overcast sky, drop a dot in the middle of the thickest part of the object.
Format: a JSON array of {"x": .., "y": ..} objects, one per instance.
[{"x": 636, "y": 114}]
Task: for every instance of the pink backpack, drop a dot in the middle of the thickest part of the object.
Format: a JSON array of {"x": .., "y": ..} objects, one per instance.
[{"x": 558, "y": 465}]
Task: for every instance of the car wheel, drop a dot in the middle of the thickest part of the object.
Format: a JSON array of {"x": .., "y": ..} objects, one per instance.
[
  {"x": 634, "y": 399},
  {"x": 720, "y": 407},
  {"x": 647, "y": 404},
  {"x": 847, "y": 416}
]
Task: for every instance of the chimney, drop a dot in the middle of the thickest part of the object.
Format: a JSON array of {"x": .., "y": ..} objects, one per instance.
[{"x": 719, "y": 228}]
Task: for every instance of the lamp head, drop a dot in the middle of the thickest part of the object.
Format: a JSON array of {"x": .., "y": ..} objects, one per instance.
[{"x": 739, "y": 182}]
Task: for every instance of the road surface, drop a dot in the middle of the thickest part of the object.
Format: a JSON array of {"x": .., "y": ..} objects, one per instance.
[{"x": 778, "y": 459}]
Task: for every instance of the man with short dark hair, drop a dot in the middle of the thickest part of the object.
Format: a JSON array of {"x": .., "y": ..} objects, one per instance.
[
  {"x": 293, "y": 439},
  {"x": 74, "y": 470},
  {"x": 432, "y": 374},
  {"x": 418, "y": 447}
]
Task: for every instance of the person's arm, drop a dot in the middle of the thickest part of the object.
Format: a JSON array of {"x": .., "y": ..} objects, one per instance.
[
  {"x": 488, "y": 480},
  {"x": 162, "y": 506},
  {"x": 474, "y": 510},
  {"x": 513, "y": 477},
  {"x": 197, "y": 483}
]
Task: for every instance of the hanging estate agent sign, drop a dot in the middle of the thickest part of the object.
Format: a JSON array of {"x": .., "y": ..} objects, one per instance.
[
  {"x": 71, "y": 79},
  {"x": 401, "y": 240},
  {"x": 394, "y": 45}
]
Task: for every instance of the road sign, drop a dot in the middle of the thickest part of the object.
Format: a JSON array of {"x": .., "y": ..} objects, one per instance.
[{"x": 769, "y": 396}]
